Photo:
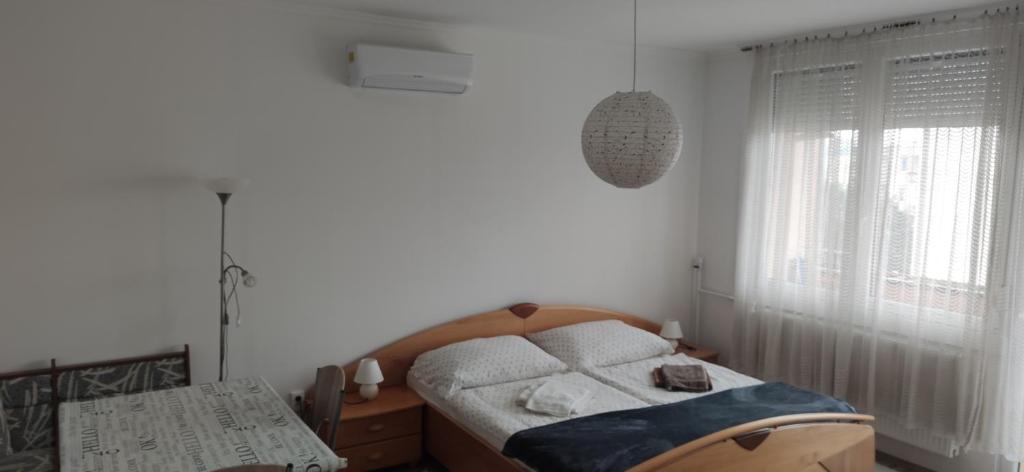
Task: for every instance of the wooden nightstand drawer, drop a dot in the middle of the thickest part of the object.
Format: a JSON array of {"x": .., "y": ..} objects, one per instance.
[
  {"x": 384, "y": 453},
  {"x": 377, "y": 428}
]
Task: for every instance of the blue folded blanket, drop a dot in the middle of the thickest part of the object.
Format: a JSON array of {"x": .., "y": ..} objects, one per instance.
[{"x": 618, "y": 440}]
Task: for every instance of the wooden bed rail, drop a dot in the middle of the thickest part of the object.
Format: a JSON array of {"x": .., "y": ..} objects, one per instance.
[
  {"x": 773, "y": 422},
  {"x": 828, "y": 442}
]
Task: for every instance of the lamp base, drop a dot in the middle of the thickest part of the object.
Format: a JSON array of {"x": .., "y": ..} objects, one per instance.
[
  {"x": 673, "y": 342},
  {"x": 369, "y": 391}
]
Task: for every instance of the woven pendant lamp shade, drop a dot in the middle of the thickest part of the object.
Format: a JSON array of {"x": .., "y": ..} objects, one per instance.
[{"x": 631, "y": 139}]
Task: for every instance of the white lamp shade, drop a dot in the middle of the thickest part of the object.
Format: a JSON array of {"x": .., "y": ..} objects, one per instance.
[
  {"x": 369, "y": 372},
  {"x": 631, "y": 139},
  {"x": 671, "y": 330},
  {"x": 228, "y": 185}
]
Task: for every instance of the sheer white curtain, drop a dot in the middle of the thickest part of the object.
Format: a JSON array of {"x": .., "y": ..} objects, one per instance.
[{"x": 881, "y": 254}]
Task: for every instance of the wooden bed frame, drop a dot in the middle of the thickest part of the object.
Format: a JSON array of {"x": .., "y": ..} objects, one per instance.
[{"x": 820, "y": 442}]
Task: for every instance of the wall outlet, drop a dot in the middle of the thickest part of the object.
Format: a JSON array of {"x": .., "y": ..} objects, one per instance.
[{"x": 296, "y": 399}]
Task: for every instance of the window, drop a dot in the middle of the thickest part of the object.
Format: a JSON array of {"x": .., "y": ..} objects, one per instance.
[
  {"x": 881, "y": 245},
  {"x": 903, "y": 185},
  {"x": 816, "y": 157},
  {"x": 938, "y": 172}
]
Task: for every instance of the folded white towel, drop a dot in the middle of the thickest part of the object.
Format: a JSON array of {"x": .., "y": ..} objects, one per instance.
[{"x": 555, "y": 398}]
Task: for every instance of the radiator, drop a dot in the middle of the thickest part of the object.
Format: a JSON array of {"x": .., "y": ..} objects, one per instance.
[
  {"x": 916, "y": 437},
  {"x": 923, "y": 414}
]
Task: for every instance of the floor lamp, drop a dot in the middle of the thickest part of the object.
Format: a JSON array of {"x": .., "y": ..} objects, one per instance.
[{"x": 230, "y": 272}]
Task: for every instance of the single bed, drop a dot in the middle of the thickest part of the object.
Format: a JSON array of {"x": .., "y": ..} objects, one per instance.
[
  {"x": 465, "y": 430},
  {"x": 635, "y": 379}
]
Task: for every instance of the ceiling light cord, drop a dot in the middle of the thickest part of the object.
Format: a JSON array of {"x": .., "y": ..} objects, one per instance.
[{"x": 634, "y": 45}]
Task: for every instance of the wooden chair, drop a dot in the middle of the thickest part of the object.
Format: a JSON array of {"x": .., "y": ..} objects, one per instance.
[{"x": 329, "y": 396}]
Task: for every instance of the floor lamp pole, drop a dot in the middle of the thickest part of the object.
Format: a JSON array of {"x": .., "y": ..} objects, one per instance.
[{"x": 222, "y": 316}]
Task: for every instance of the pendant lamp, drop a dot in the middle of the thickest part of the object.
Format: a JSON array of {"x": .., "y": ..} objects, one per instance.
[{"x": 631, "y": 139}]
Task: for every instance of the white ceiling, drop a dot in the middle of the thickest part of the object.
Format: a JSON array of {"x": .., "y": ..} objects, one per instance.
[{"x": 688, "y": 24}]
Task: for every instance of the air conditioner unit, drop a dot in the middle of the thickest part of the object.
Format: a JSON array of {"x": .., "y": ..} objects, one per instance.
[{"x": 386, "y": 67}]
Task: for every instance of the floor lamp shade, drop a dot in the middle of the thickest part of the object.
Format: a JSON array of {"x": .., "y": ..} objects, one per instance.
[
  {"x": 631, "y": 139},
  {"x": 226, "y": 185}
]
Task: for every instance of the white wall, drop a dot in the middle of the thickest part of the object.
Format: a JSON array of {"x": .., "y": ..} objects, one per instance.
[
  {"x": 721, "y": 172},
  {"x": 725, "y": 122},
  {"x": 371, "y": 215}
]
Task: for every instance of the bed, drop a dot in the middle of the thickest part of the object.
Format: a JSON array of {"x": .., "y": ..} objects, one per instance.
[{"x": 466, "y": 428}]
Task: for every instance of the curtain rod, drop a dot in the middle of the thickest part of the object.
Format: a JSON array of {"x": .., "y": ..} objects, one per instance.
[{"x": 887, "y": 25}]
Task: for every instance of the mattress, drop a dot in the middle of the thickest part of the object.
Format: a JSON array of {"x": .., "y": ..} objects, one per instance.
[
  {"x": 490, "y": 412},
  {"x": 635, "y": 378}
]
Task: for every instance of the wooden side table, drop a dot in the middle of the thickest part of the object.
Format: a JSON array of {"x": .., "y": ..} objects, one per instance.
[
  {"x": 382, "y": 432},
  {"x": 703, "y": 353}
]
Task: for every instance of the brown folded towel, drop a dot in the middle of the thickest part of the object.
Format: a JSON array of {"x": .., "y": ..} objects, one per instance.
[{"x": 682, "y": 378}]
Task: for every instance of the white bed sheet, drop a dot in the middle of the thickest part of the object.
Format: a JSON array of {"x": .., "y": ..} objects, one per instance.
[
  {"x": 636, "y": 379},
  {"x": 491, "y": 412}
]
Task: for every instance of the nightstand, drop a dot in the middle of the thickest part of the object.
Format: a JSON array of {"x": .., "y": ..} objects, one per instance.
[
  {"x": 382, "y": 432},
  {"x": 703, "y": 353}
]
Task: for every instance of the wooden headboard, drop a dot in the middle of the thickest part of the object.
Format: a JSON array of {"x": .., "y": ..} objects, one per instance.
[{"x": 396, "y": 358}]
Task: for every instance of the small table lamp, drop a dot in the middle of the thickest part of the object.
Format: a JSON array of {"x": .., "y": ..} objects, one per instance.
[
  {"x": 368, "y": 376},
  {"x": 671, "y": 331}
]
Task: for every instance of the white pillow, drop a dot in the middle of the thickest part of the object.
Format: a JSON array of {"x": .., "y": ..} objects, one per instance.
[
  {"x": 483, "y": 361},
  {"x": 600, "y": 343}
]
